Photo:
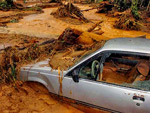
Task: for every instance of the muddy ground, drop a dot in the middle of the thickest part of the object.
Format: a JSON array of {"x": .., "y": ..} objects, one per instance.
[
  {"x": 33, "y": 97},
  {"x": 45, "y": 25}
]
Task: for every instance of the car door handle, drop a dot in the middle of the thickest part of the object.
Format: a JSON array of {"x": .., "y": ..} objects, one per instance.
[{"x": 138, "y": 99}]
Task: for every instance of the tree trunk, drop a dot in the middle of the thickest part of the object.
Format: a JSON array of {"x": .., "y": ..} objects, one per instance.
[{"x": 148, "y": 6}]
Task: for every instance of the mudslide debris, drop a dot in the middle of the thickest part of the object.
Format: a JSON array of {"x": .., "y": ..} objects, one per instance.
[
  {"x": 104, "y": 7},
  {"x": 71, "y": 11},
  {"x": 128, "y": 22},
  {"x": 71, "y": 45}
]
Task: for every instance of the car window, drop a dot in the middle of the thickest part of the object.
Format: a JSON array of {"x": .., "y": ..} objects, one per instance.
[
  {"x": 126, "y": 70},
  {"x": 88, "y": 71},
  {"x": 89, "y": 53}
]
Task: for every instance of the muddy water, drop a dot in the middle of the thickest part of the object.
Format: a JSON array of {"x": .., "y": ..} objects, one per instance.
[
  {"x": 42, "y": 25},
  {"x": 45, "y": 25}
]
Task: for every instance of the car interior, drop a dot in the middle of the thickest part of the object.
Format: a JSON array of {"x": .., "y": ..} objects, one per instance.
[{"x": 116, "y": 68}]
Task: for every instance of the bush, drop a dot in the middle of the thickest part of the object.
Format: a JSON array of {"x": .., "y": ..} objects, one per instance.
[{"x": 4, "y": 5}]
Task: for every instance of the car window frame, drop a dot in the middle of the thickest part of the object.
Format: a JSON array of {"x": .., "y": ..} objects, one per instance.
[{"x": 103, "y": 54}]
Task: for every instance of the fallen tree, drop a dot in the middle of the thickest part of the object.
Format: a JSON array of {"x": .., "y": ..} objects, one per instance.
[
  {"x": 71, "y": 11},
  {"x": 128, "y": 22},
  {"x": 132, "y": 14}
]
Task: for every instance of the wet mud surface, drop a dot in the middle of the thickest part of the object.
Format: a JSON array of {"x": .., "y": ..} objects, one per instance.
[
  {"x": 45, "y": 25},
  {"x": 31, "y": 98}
]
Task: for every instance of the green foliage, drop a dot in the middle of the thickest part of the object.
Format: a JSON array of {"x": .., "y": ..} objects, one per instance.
[
  {"x": 14, "y": 21},
  {"x": 13, "y": 73},
  {"x": 134, "y": 9},
  {"x": 120, "y": 5},
  {"x": 24, "y": 1},
  {"x": 5, "y": 5}
]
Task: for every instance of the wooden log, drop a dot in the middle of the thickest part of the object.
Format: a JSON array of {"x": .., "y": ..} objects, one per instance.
[
  {"x": 88, "y": 9},
  {"x": 88, "y": 38},
  {"x": 100, "y": 32},
  {"x": 94, "y": 26}
]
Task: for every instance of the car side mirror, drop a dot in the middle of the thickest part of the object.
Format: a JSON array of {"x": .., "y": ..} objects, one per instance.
[{"x": 75, "y": 75}]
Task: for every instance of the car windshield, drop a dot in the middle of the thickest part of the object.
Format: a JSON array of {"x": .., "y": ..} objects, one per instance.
[{"x": 87, "y": 54}]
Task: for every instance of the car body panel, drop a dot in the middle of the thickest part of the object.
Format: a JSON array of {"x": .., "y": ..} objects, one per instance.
[
  {"x": 42, "y": 73},
  {"x": 110, "y": 96}
]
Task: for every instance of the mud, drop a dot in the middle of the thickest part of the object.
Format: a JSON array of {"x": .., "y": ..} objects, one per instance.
[
  {"x": 45, "y": 25},
  {"x": 15, "y": 16},
  {"x": 31, "y": 98}
]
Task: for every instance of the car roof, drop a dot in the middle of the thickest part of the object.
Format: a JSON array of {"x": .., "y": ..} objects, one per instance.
[{"x": 140, "y": 45}]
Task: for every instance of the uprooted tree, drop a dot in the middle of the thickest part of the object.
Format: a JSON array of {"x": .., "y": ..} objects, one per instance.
[
  {"x": 133, "y": 14},
  {"x": 134, "y": 5},
  {"x": 69, "y": 10}
]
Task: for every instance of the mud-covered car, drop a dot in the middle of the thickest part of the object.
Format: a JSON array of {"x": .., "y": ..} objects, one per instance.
[{"x": 114, "y": 78}]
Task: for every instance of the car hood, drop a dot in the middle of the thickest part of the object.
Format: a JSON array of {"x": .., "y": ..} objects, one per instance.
[{"x": 41, "y": 67}]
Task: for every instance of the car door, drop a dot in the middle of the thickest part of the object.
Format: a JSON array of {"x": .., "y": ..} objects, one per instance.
[{"x": 110, "y": 96}]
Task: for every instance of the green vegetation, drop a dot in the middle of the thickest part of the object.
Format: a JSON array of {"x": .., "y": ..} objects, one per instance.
[
  {"x": 5, "y": 5},
  {"x": 14, "y": 21},
  {"x": 134, "y": 5},
  {"x": 134, "y": 9}
]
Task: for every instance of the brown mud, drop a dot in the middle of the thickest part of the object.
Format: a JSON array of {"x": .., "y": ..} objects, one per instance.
[
  {"x": 15, "y": 16},
  {"x": 31, "y": 98},
  {"x": 45, "y": 25}
]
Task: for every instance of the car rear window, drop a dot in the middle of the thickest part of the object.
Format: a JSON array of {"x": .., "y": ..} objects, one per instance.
[{"x": 130, "y": 70}]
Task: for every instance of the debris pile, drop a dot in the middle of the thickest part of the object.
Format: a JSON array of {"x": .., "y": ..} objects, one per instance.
[
  {"x": 133, "y": 15},
  {"x": 71, "y": 45},
  {"x": 71, "y": 11},
  {"x": 104, "y": 7},
  {"x": 128, "y": 22},
  {"x": 73, "y": 37},
  {"x": 13, "y": 57}
]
